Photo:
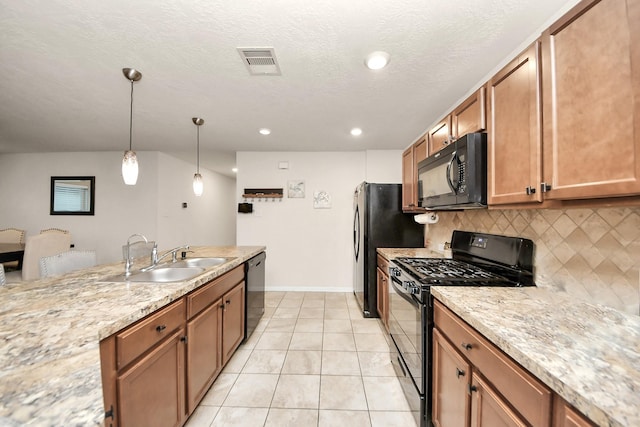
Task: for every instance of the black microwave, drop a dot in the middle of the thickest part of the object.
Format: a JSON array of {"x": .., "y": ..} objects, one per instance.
[{"x": 456, "y": 176}]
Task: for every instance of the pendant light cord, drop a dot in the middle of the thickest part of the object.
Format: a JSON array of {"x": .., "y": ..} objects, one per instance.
[
  {"x": 131, "y": 117},
  {"x": 198, "y": 151}
]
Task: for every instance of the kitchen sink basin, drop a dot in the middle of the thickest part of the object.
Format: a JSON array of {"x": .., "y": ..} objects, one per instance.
[
  {"x": 159, "y": 275},
  {"x": 199, "y": 262}
]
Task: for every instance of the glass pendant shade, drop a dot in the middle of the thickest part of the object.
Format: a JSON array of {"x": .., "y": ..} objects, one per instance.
[
  {"x": 130, "y": 167},
  {"x": 198, "y": 185}
]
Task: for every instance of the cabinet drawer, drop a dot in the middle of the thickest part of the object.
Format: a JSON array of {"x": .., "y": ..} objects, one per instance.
[
  {"x": 140, "y": 337},
  {"x": 202, "y": 297},
  {"x": 383, "y": 264},
  {"x": 528, "y": 395}
]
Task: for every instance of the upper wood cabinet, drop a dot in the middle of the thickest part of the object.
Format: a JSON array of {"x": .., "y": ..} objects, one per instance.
[
  {"x": 470, "y": 116},
  {"x": 440, "y": 135},
  {"x": 591, "y": 93},
  {"x": 410, "y": 159},
  {"x": 514, "y": 132}
]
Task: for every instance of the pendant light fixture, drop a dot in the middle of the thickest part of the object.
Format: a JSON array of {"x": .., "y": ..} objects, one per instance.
[
  {"x": 130, "y": 161},
  {"x": 198, "y": 185}
]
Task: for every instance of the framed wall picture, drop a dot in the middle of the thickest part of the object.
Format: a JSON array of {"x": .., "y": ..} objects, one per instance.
[
  {"x": 296, "y": 189},
  {"x": 73, "y": 195}
]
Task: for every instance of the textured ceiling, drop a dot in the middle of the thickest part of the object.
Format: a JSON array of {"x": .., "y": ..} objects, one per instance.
[{"x": 62, "y": 88}]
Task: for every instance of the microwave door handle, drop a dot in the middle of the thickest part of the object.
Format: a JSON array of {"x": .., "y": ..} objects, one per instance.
[{"x": 449, "y": 167}]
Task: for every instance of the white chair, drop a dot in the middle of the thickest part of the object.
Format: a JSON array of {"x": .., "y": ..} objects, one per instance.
[
  {"x": 36, "y": 247},
  {"x": 65, "y": 262},
  {"x": 54, "y": 230}
]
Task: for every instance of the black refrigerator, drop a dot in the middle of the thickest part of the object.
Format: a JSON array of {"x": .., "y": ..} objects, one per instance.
[{"x": 378, "y": 222}]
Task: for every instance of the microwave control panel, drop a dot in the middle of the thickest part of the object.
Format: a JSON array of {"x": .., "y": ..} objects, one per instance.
[{"x": 462, "y": 168}]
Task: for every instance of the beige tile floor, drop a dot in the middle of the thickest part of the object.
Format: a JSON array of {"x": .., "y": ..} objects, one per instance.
[{"x": 312, "y": 361}]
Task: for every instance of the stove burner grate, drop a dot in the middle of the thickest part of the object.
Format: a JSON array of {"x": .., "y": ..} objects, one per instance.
[{"x": 432, "y": 270}]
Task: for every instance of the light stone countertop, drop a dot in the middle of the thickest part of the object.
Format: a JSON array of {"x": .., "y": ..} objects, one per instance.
[
  {"x": 588, "y": 354},
  {"x": 50, "y": 331},
  {"x": 391, "y": 253}
]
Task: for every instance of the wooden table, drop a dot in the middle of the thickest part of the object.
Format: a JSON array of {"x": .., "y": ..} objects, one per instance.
[{"x": 12, "y": 252}]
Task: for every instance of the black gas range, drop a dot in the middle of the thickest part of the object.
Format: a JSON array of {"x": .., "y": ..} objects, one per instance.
[{"x": 478, "y": 259}]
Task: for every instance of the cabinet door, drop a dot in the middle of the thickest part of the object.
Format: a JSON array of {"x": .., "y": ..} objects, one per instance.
[
  {"x": 566, "y": 416},
  {"x": 470, "y": 116},
  {"x": 451, "y": 377},
  {"x": 151, "y": 392},
  {"x": 232, "y": 321},
  {"x": 440, "y": 135},
  {"x": 204, "y": 360},
  {"x": 409, "y": 190},
  {"x": 488, "y": 409},
  {"x": 591, "y": 87},
  {"x": 383, "y": 296},
  {"x": 514, "y": 132}
]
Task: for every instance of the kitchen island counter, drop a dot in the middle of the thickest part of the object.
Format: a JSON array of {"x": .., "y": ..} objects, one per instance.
[
  {"x": 51, "y": 328},
  {"x": 588, "y": 354}
]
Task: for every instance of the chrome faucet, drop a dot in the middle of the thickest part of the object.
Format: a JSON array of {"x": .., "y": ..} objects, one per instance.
[
  {"x": 129, "y": 258},
  {"x": 173, "y": 252}
]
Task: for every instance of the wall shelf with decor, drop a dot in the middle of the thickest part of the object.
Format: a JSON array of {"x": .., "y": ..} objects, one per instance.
[{"x": 258, "y": 194}]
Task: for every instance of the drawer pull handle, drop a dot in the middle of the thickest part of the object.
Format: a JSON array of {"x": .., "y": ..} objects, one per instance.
[
  {"x": 459, "y": 373},
  {"x": 467, "y": 346},
  {"x": 161, "y": 328}
]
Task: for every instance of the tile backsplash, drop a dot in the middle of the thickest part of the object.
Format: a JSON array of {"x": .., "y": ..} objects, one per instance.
[{"x": 593, "y": 254}]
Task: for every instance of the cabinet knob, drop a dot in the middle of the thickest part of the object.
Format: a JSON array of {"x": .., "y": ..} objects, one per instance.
[
  {"x": 544, "y": 187},
  {"x": 228, "y": 302},
  {"x": 466, "y": 346},
  {"x": 161, "y": 328},
  {"x": 471, "y": 388},
  {"x": 530, "y": 190},
  {"x": 183, "y": 339},
  {"x": 459, "y": 373}
]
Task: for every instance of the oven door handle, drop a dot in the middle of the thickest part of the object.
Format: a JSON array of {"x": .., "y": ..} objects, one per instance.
[{"x": 410, "y": 298}]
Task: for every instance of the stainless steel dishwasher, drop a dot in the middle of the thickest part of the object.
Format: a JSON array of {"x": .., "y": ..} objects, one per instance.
[{"x": 254, "y": 295}]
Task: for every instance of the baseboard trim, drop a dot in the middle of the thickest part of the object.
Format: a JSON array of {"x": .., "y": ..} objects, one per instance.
[{"x": 306, "y": 289}]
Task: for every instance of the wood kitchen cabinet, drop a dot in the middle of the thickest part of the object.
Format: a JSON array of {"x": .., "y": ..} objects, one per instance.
[
  {"x": 451, "y": 380},
  {"x": 471, "y": 115},
  {"x": 156, "y": 371},
  {"x": 232, "y": 321},
  {"x": 514, "y": 163},
  {"x": 383, "y": 291},
  {"x": 591, "y": 93},
  {"x": 410, "y": 159},
  {"x": 440, "y": 135},
  {"x": 501, "y": 393},
  {"x": 564, "y": 415},
  {"x": 151, "y": 392}
]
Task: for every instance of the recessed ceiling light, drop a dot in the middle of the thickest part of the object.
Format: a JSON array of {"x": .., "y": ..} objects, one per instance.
[
  {"x": 235, "y": 170},
  {"x": 265, "y": 131},
  {"x": 356, "y": 131},
  {"x": 377, "y": 60}
]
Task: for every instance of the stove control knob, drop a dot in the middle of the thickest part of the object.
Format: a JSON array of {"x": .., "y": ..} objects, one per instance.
[
  {"x": 411, "y": 287},
  {"x": 394, "y": 271}
]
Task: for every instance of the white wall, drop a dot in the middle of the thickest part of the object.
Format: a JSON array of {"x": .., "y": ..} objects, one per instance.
[
  {"x": 150, "y": 207},
  {"x": 308, "y": 249}
]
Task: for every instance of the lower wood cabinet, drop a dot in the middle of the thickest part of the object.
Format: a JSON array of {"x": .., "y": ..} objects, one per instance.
[
  {"x": 475, "y": 384},
  {"x": 451, "y": 380},
  {"x": 383, "y": 291},
  {"x": 489, "y": 408},
  {"x": 156, "y": 371},
  {"x": 151, "y": 391}
]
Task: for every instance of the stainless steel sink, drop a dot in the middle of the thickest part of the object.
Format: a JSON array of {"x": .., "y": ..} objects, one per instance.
[
  {"x": 199, "y": 262},
  {"x": 159, "y": 275}
]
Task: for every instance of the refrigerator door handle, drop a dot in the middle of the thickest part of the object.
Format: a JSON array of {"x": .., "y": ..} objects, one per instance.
[{"x": 356, "y": 232}]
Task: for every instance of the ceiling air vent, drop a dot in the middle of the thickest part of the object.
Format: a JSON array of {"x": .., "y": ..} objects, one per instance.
[{"x": 260, "y": 61}]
